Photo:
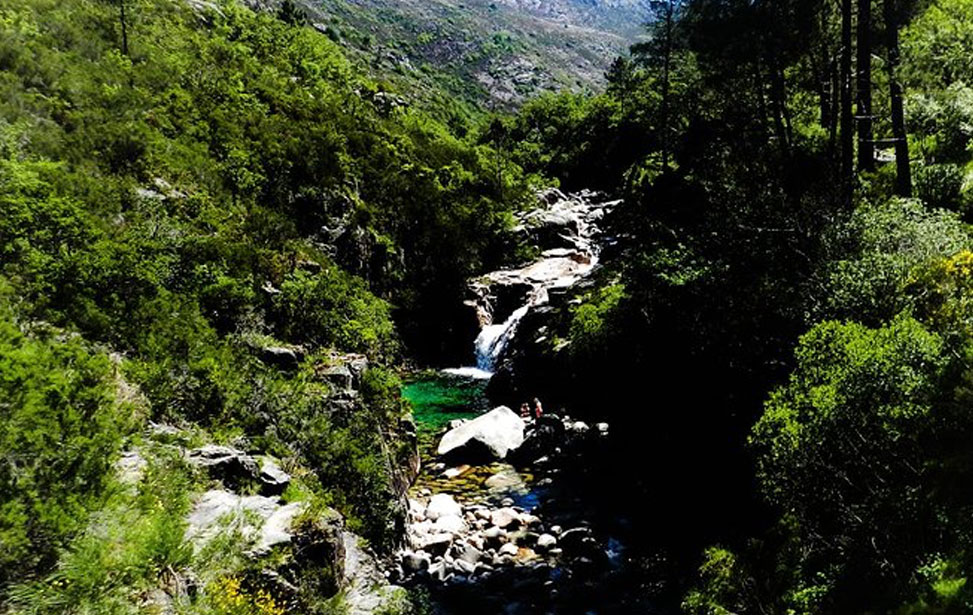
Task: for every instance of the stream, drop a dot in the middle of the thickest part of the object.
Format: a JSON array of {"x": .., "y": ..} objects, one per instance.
[
  {"x": 589, "y": 570},
  {"x": 536, "y": 529}
]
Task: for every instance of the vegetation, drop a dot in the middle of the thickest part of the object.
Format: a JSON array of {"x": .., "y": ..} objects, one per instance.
[
  {"x": 787, "y": 241},
  {"x": 207, "y": 213},
  {"x": 184, "y": 192}
]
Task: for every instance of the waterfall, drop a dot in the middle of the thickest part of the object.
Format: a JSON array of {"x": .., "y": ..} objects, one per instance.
[
  {"x": 570, "y": 250},
  {"x": 490, "y": 344},
  {"x": 493, "y": 339}
]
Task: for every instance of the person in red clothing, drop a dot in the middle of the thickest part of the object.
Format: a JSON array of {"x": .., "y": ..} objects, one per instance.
[{"x": 538, "y": 411}]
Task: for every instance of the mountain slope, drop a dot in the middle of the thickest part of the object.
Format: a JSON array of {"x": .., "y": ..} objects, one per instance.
[{"x": 483, "y": 52}]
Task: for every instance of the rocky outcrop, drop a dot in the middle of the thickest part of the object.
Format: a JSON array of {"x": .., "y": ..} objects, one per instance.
[
  {"x": 568, "y": 233},
  {"x": 489, "y": 436},
  {"x": 236, "y": 469},
  {"x": 263, "y": 521}
]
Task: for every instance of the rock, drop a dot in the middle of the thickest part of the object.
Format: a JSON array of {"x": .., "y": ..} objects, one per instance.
[
  {"x": 466, "y": 552},
  {"x": 366, "y": 590},
  {"x": 338, "y": 376},
  {"x": 452, "y": 524},
  {"x": 456, "y": 472},
  {"x": 415, "y": 562},
  {"x": 494, "y": 535},
  {"x": 602, "y": 428},
  {"x": 230, "y": 465},
  {"x": 453, "y": 424},
  {"x": 579, "y": 427},
  {"x": 288, "y": 359},
  {"x": 464, "y": 567},
  {"x": 273, "y": 480},
  {"x": 508, "y": 549},
  {"x": 438, "y": 572},
  {"x": 130, "y": 467},
  {"x": 506, "y": 480},
  {"x": 505, "y": 517},
  {"x": 260, "y": 519},
  {"x": 436, "y": 544},
  {"x": 482, "y": 513},
  {"x": 546, "y": 542},
  {"x": 416, "y": 510},
  {"x": 442, "y": 504},
  {"x": 489, "y": 436}
]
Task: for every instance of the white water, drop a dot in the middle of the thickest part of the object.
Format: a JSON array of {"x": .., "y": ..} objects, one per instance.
[
  {"x": 558, "y": 268},
  {"x": 493, "y": 339}
]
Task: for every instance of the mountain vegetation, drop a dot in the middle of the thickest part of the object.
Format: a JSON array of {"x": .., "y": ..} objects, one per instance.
[
  {"x": 208, "y": 210},
  {"x": 791, "y": 305}
]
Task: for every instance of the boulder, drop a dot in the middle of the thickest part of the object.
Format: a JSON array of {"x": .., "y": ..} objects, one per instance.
[
  {"x": 505, "y": 517},
  {"x": 261, "y": 520},
  {"x": 442, "y": 504},
  {"x": 281, "y": 357},
  {"x": 489, "y": 436},
  {"x": 230, "y": 465}
]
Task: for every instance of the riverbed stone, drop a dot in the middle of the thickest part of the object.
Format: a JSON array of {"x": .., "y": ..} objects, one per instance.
[
  {"x": 508, "y": 549},
  {"x": 546, "y": 542},
  {"x": 489, "y": 436},
  {"x": 452, "y": 524},
  {"x": 442, "y": 504},
  {"x": 434, "y": 544},
  {"x": 466, "y": 552},
  {"x": 505, "y": 517}
]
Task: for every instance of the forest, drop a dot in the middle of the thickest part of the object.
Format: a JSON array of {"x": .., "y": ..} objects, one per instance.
[{"x": 208, "y": 211}]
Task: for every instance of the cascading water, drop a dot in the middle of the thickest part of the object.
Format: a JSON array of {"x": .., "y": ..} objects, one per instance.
[
  {"x": 493, "y": 339},
  {"x": 559, "y": 267}
]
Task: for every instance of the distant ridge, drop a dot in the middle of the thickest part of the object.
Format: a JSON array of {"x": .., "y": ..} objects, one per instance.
[{"x": 491, "y": 54}]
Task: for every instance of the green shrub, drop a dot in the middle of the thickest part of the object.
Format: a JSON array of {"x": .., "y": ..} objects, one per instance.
[{"x": 62, "y": 427}]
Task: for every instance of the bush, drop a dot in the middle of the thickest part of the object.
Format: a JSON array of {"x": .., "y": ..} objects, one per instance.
[
  {"x": 62, "y": 427},
  {"x": 940, "y": 186}
]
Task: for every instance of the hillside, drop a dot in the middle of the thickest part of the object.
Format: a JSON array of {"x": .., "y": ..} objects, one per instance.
[{"x": 485, "y": 53}]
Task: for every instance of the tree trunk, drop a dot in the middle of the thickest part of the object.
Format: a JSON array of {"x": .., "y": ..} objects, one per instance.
[
  {"x": 866, "y": 145},
  {"x": 666, "y": 68},
  {"x": 903, "y": 171},
  {"x": 825, "y": 80},
  {"x": 124, "y": 21},
  {"x": 847, "y": 139}
]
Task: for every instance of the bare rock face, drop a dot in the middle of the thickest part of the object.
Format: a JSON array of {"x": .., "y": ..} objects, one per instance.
[
  {"x": 235, "y": 468},
  {"x": 259, "y": 519},
  {"x": 489, "y": 436}
]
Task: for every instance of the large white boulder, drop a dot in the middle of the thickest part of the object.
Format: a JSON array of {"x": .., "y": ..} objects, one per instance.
[
  {"x": 491, "y": 435},
  {"x": 442, "y": 505}
]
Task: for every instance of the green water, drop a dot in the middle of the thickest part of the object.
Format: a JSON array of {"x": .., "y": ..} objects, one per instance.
[{"x": 438, "y": 399}]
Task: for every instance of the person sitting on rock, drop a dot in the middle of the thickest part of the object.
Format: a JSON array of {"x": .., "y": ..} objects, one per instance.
[
  {"x": 538, "y": 411},
  {"x": 524, "y": 411}
]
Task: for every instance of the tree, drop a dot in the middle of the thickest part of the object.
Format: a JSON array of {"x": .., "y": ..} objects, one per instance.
[
  {"x": 667, "y": 10},
  {"x": 903, "y": 169},
  {"x": 866, "y": 145},
  {"x": 845, "y": 77}
]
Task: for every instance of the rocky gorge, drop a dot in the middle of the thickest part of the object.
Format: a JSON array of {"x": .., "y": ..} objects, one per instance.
[{"x": 506, "y": 513}]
